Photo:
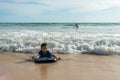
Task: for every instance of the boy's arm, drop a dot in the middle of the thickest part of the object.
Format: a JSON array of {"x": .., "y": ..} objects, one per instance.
[
  {"x": 58, "y": 58},
  {"x": 36, "y": 56},
  {"x": 54, "y": 56}
]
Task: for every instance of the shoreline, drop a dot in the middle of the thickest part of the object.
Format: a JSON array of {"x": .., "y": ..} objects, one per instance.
[{"x": 71, "y": 67}]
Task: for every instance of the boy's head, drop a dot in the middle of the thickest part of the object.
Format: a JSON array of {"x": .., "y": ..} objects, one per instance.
[{"x": 44, "y": 47}]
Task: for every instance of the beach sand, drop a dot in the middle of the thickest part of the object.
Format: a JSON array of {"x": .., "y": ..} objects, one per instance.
[{"x": 17, "y": 66}]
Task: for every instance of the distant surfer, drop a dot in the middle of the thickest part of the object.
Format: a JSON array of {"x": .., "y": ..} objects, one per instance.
[{"x": 76, "y": 26}]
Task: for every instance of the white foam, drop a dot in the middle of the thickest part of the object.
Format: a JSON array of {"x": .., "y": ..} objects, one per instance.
[{"x": 60, "y": 42}]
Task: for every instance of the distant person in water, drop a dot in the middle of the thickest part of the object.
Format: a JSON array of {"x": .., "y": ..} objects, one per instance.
[
  {"x": 76, "y": 26},
  {"x": 44, "y": 53}
]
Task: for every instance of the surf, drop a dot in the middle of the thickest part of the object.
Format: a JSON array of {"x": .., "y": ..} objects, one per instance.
[{"x": 28, "y": 41}]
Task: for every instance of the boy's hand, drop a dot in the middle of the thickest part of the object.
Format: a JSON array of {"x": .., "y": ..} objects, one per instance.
[{"x": 59, "y": 58}]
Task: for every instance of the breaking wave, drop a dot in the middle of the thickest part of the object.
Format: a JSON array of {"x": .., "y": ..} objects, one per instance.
[{"x": 60, "y": 42}]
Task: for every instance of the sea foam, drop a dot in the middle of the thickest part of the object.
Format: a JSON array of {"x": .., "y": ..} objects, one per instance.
[{"x": 60, "y": 42}]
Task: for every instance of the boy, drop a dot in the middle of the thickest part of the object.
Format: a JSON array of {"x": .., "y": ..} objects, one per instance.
[{"x": 44, "y": 53}]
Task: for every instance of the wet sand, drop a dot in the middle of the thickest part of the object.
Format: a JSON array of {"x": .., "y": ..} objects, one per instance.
[{"x": 14, "y": 66}]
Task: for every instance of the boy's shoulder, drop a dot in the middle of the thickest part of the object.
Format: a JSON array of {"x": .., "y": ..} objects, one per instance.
[{"x": 48, "y": 52}]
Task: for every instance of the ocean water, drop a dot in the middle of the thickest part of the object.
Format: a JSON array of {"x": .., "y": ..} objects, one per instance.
[{"x": 97, "y": 38}]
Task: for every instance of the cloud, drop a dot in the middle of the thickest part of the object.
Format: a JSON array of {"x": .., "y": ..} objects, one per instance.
[
  {"x": 35, "y": 7},
  {"x": 82, "y": 6},
  {"x": 22, "y": 9},
  {"x": 69, "y": 9},
  {"x": 98, "y": 5}
]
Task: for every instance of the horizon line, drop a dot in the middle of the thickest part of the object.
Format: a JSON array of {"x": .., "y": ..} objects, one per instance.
[{"x": 59, "y": 22}]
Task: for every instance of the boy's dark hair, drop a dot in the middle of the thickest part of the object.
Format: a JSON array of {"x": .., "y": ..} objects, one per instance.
[{"x": 43, "y": 45}]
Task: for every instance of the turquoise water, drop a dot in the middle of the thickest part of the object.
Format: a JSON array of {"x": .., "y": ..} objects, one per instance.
[
  {"x": 83, "y": 27},
  {"x": 98, "y": 38}
]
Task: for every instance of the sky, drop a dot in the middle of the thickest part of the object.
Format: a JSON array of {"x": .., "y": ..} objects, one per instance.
[{"x": 59, "y": 10}]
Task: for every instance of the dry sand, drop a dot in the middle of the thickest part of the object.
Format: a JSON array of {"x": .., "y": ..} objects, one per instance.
[{"x": 14, "y": 66}]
